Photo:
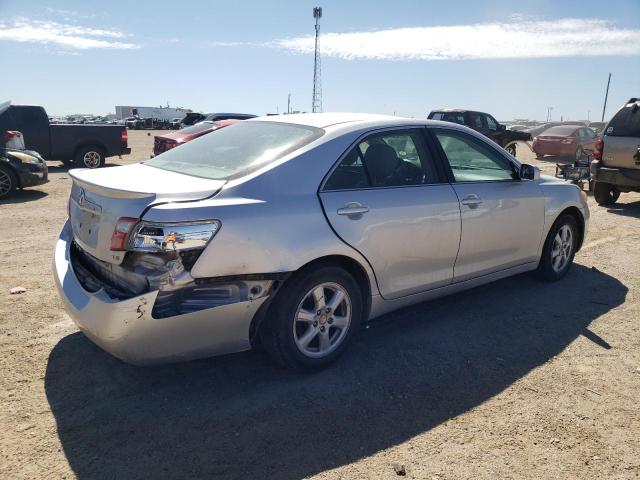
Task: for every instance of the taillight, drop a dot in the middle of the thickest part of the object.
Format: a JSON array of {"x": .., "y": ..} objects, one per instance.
[
  {"x": 120, "y": 233},
  {"x": 597, "y": 154},
  {"x": 9, "y": 134},
  {"x": 124, "y": 137}
]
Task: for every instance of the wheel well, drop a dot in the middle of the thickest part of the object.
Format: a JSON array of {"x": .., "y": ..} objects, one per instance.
[
  {"x": 90, "y": 144},
  {"x": 577, "y": 214},
  {"x": 347, "y": 263}
]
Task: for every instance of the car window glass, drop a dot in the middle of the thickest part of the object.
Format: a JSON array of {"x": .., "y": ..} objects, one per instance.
[
  {"x": 625, "y": 123},
  {"x": 471, "y": 160},
  {"x": 437, "y": 116},
  {"x": 491, "y": 123},
  {"x": 454, "y": 117},
  {"x": 475, "y": 120},
  {"x": 388, "y": 160}
]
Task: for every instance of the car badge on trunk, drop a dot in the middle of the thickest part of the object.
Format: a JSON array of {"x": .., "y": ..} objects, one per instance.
[{"x": 88, "y": 205}]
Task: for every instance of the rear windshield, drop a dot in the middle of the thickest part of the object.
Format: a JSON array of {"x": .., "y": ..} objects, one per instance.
[
  {"x": 560, "y": 131},
  {"x": 235, "y": 150},
  {"x": 625, "y": 123}
]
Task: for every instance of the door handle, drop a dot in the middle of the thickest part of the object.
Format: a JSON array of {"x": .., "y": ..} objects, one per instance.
[
  {"x": 471, "y": 200},
  {"x": 353, "y": 208}
]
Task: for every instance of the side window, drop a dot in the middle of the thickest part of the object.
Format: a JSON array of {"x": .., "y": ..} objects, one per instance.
[
  {"x": 455, "y": 118},
  {"x": 437, "y": 116},
  {"x": 475, "y": 120},
  {"x": 491, "y": 123},
  {"x": 471, "y": 160},
  {"x": 387, "y": 160}
]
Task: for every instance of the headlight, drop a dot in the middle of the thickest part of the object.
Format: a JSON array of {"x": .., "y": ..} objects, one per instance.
[
  {"x": 26, "y": 158},
  {"x": 168, "y": 237}
]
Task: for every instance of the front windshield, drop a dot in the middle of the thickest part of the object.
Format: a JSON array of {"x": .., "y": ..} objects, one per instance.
[{"x": 235, "y": 150}]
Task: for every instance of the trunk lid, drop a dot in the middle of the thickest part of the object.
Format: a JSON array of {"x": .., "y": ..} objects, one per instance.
[{"x": 100, "y": 197}]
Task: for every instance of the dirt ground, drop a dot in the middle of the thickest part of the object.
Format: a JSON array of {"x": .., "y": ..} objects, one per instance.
[{"x": 518, "y": 379}]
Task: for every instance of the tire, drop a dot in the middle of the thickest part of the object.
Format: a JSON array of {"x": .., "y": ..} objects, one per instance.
[
  {"x": 298, "y": 317},
  {"x": 68, "y": 162},
  {"x": 605, "y": 193},
  {"x": 559, "y": 249},
  {"x": 90, "y": 157},
  {"x": 539, "y": 155},
  {"x": 8, "y": 182},
  {"x": 578, "y": 154},
  {"x": 511, "y": 149}
]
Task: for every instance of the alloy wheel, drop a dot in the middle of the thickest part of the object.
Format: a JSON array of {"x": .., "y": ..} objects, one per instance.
[
  {"x": 322, "y": 320},
  {"x": 562, "y": 248},
  {"x": 5, "y": 183},
  {"x": 91, "y": 159}
]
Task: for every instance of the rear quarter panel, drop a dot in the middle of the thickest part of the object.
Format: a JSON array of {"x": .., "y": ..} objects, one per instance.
[{"x": 273, "y": 222}]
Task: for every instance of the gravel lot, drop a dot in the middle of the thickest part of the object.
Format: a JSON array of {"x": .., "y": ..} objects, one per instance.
[{"x": 518, "y": 379}]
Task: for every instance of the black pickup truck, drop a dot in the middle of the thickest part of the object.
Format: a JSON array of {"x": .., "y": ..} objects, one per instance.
[
  {"x": 85, "y": 145},
  {"x": 483, "y": 123}
]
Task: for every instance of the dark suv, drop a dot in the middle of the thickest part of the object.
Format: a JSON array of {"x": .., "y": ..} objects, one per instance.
[
  {"x": 616, "y": 161},
  {"x": 483, "y": 123}
]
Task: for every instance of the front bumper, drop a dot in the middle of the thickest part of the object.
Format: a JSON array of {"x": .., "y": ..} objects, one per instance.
[{"x": 127, "y": 330}]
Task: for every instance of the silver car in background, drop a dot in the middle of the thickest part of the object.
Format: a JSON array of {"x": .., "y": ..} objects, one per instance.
[{"x": 292, "y": 230}]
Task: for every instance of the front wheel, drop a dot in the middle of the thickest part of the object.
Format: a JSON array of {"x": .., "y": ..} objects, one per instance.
[
  {"x": 8, "y": 182},
  {"x": 605, "y": 193},
  {"x": 90, "y": 157},
  {"x": 559, "y": 249},
  {"x": 312, "y": 319}
]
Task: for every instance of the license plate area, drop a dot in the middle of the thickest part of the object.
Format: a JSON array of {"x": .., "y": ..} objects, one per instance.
[{"x": 85, "y": 222}]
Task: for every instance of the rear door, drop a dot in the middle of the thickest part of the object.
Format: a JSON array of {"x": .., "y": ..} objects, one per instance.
[
  {"x": 622, "y": 138},
  {"x": 502, "y": 215},
  {"x": 388, "y": 200}
]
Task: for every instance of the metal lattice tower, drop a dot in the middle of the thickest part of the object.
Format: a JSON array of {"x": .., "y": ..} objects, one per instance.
[{"x": 316, "y": 104}]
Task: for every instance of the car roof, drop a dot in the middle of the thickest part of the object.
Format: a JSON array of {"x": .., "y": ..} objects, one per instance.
[{"x": 327, "y": 119}]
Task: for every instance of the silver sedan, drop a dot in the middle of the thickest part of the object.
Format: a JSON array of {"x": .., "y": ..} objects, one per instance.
[{"x": 292, "y": 230}]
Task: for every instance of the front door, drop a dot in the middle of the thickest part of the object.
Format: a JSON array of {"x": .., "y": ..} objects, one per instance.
[
  {"x": 502, "y": 215},
  {"x": 387, "y": 200}
]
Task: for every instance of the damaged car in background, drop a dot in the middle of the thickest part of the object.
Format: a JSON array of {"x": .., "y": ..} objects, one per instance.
[{"x": 290, "y": 231}]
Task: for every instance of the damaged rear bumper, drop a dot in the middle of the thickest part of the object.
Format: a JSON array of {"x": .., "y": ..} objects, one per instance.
[{"x": 127, "y": 329}]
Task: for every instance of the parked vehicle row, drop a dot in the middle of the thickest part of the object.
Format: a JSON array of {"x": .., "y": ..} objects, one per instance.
[
  {"x": 291, "y": 231},
  {"x": 84, "y": 145},
  {"x": 485, "y": 124}
]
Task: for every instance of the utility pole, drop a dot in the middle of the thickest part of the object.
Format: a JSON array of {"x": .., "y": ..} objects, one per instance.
[
  {"x": 549, "y": 109},
  {"x": 289, "y": 103},
  {"x": 316, "y": 104},
  {"x": 605, "y": 98}
]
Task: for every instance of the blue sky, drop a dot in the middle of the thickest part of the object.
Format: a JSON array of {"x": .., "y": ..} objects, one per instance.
[{"x": 512, "y": 59}]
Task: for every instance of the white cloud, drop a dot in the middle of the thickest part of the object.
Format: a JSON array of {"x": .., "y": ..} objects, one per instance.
[
  {"x": 63, "y": 35},
  {"x": 525, "y": 39}
]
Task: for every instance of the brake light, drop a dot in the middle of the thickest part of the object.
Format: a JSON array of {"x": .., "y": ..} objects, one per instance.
[
  {"x": 124, "y": 137},
  {"x": 597, "y": 154},
  {"x": 120, "y": 233},
  {"x": 9, "y": 134}
]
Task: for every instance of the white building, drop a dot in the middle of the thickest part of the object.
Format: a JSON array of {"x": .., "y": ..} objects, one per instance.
[{"x": 159, "y": 113}]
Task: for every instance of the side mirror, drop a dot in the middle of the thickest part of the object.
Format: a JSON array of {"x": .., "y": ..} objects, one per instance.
[
  {"x": 501, "y": 128},
  {"x": 529, "y": 172}
]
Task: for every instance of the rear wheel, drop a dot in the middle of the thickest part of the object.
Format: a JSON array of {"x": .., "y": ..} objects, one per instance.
[
  {"x": 579, "y": 153},
  {"x": 90, "y": 157},
  {"x": 605, "y": 193},
  {"x": 312, "y": 319},
  {"x": 559, "y": 249},
  {"x": 8, "y": 182},
  {"x": 511, "y": 149}
]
